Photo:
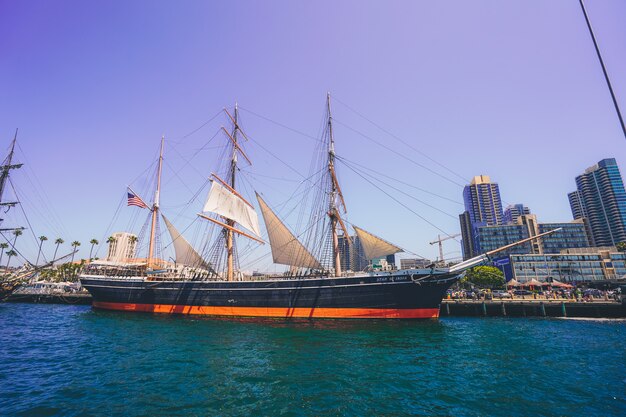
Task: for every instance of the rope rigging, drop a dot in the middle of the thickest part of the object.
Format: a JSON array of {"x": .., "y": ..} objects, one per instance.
[
  {"x": 405, "y": 143},
  {"x": 308, "y": 202}
]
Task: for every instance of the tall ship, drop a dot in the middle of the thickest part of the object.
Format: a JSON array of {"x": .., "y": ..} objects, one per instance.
[
  {"x": 316, "y": 284},
  {"x": 10, "y": 279}
]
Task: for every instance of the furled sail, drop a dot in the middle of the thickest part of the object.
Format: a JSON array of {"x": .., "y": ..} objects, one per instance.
[
  {"x": 286, "y": 248},
  {"x": 185, "y": 253},
  {"x": 373, "y": 246},
  {"x": 225, "y": 203}
]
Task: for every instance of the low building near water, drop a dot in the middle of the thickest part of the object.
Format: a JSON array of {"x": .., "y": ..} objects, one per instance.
[
  {"x": 576, "y": 266},
  {"x": 414, "y": 263},
  {"x": 571, "y": 235}
]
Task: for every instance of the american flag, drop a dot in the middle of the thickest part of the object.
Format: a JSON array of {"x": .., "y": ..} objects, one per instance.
[{"x": 134, "y": 200}]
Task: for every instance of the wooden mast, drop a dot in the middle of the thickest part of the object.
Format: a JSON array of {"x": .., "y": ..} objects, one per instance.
[
  {"x": 155, "y": 207},
  {"x": 7, "y": 166},
  {"x": 334, "y": 191},
  {"x": 230, "y": 275}
]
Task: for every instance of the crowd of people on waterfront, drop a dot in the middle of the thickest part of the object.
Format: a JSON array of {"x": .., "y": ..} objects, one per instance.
[{"x": 574, "y": 294}]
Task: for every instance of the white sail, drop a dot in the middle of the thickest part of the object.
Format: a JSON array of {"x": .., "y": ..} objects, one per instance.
[
  {"x": 185, "y": 253},
  {"x": 223, "y": 202},
  {"x": 373, "y": 246},
  {"x": 286, "y": 248}
]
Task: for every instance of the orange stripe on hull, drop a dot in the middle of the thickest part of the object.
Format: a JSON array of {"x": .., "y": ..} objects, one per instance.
[{"x": 328, "y": 313}]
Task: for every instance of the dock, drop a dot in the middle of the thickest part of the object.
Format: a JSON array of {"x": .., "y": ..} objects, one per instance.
[
  {"x": 532, "y": 308},
  {"x": 72, "y": 298}
]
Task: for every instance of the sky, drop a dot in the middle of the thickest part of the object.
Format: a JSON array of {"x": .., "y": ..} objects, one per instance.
[{"x": 510, "y": 89}]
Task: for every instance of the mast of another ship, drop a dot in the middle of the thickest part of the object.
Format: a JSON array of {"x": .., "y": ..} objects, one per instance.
[
  {"x": 4, "y": 175},
  {"x": 155, "y": 207},
  {"x": 5, "y": 168}
]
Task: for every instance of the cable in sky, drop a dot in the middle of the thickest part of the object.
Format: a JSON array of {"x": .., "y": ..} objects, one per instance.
[
  {"x": 400, "y": 140},
  {"x": 398, "y": 153},
  {"x": 606, "y": 75}
]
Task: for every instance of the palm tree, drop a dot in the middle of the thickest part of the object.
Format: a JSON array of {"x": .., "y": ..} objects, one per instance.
[
  {"x": 16, "y": 233},
  {"x": 11, "y": 253},
  {"x": 41, "y": 240},
  {"x": 133, "y": 240},
  {"x": 110, "y": 241},
  {"x": 3, "y": 246},
  {"x": 93, "y": 243},
  {"x": 57, "y": 242},
  {"x": 75, "y": 244}
]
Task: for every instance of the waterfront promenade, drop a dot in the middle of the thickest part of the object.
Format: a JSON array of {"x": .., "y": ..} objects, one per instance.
[{"x": 531, "y": 307}]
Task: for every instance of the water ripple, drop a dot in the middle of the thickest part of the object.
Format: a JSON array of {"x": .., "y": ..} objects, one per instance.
[{"x": 72, "y": 361}]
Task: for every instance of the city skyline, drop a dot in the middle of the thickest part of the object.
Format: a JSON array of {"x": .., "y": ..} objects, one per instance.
[{"x": 92, "y": 93}]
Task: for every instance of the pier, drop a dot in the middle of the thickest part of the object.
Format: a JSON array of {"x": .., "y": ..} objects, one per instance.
[
  {"x": 532, "y": 308},
  {"x": 72, "y": 298}
]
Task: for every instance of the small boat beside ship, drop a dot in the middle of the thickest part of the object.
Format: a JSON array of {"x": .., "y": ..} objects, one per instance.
[{"x": 316, "y": 285}]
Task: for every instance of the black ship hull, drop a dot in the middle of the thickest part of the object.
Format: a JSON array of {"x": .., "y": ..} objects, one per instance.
[{"x": 402, "y": 295}]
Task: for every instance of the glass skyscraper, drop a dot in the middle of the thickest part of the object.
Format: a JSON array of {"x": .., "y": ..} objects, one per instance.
[
  {"x": 482, "y": 201},
  {"x": 600, "y": 197},
  {"x": 512, "y": 213},
  {"x": 483, "y": 207},
  {"x": 576, "y": 204}
]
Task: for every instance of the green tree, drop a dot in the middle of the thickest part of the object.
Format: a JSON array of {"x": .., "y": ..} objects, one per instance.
[
  {"x": 69, "y": 271},
  {"x": 110, "y": 241},
  {"x": 17, "y": 233},
  {"x": 485, "y": 277},
  {"x": 3, "y": 246},
  {"x": 41, "y": 240},
  {"x": 75, "y": 245},
  {"x": 93, "y": 242},
  {"x": 621, "y": 246},
  {"x": 133, "y": 243},
  {"x": 11, "y": 254},
  {"x": 57, "y": 242}
]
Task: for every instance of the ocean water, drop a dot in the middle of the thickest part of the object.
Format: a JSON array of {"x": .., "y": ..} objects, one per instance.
[{"x": 72, "y": 360}]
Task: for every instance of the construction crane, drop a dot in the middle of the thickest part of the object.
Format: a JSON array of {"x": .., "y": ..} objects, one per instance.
[{"x": 439, "y": 240}]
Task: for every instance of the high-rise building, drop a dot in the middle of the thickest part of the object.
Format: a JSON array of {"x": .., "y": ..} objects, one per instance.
[
  {"x": 602, "y": 200},
  {"x": 351, "y": 254},
  {"x": 513, "y": 211},
  {"x": 482, "y": 201},
  {"x": 122, "y": 246},
  {"x": 468, "y": 247},
  {"x": 483, "y": 207},
  {"x": 576, "y": 204},
  {"x": 345, "y": 252}
]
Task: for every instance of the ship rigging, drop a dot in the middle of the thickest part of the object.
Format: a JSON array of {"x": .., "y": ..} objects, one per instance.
[{"x": 316, "y": 284}]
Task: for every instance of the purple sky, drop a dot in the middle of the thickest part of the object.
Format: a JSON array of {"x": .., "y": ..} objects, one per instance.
[{"x": 509, "y": 89}]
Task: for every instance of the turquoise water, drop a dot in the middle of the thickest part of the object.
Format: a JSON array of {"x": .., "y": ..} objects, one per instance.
[{"x": 71, "y": 360}]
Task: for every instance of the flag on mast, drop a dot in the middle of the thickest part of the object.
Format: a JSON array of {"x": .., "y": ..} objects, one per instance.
[{"x": 135, "y": 200}]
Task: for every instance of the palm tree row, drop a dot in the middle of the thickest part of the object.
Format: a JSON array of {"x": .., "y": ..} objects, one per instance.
[{"x": 58, "y": 242}]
